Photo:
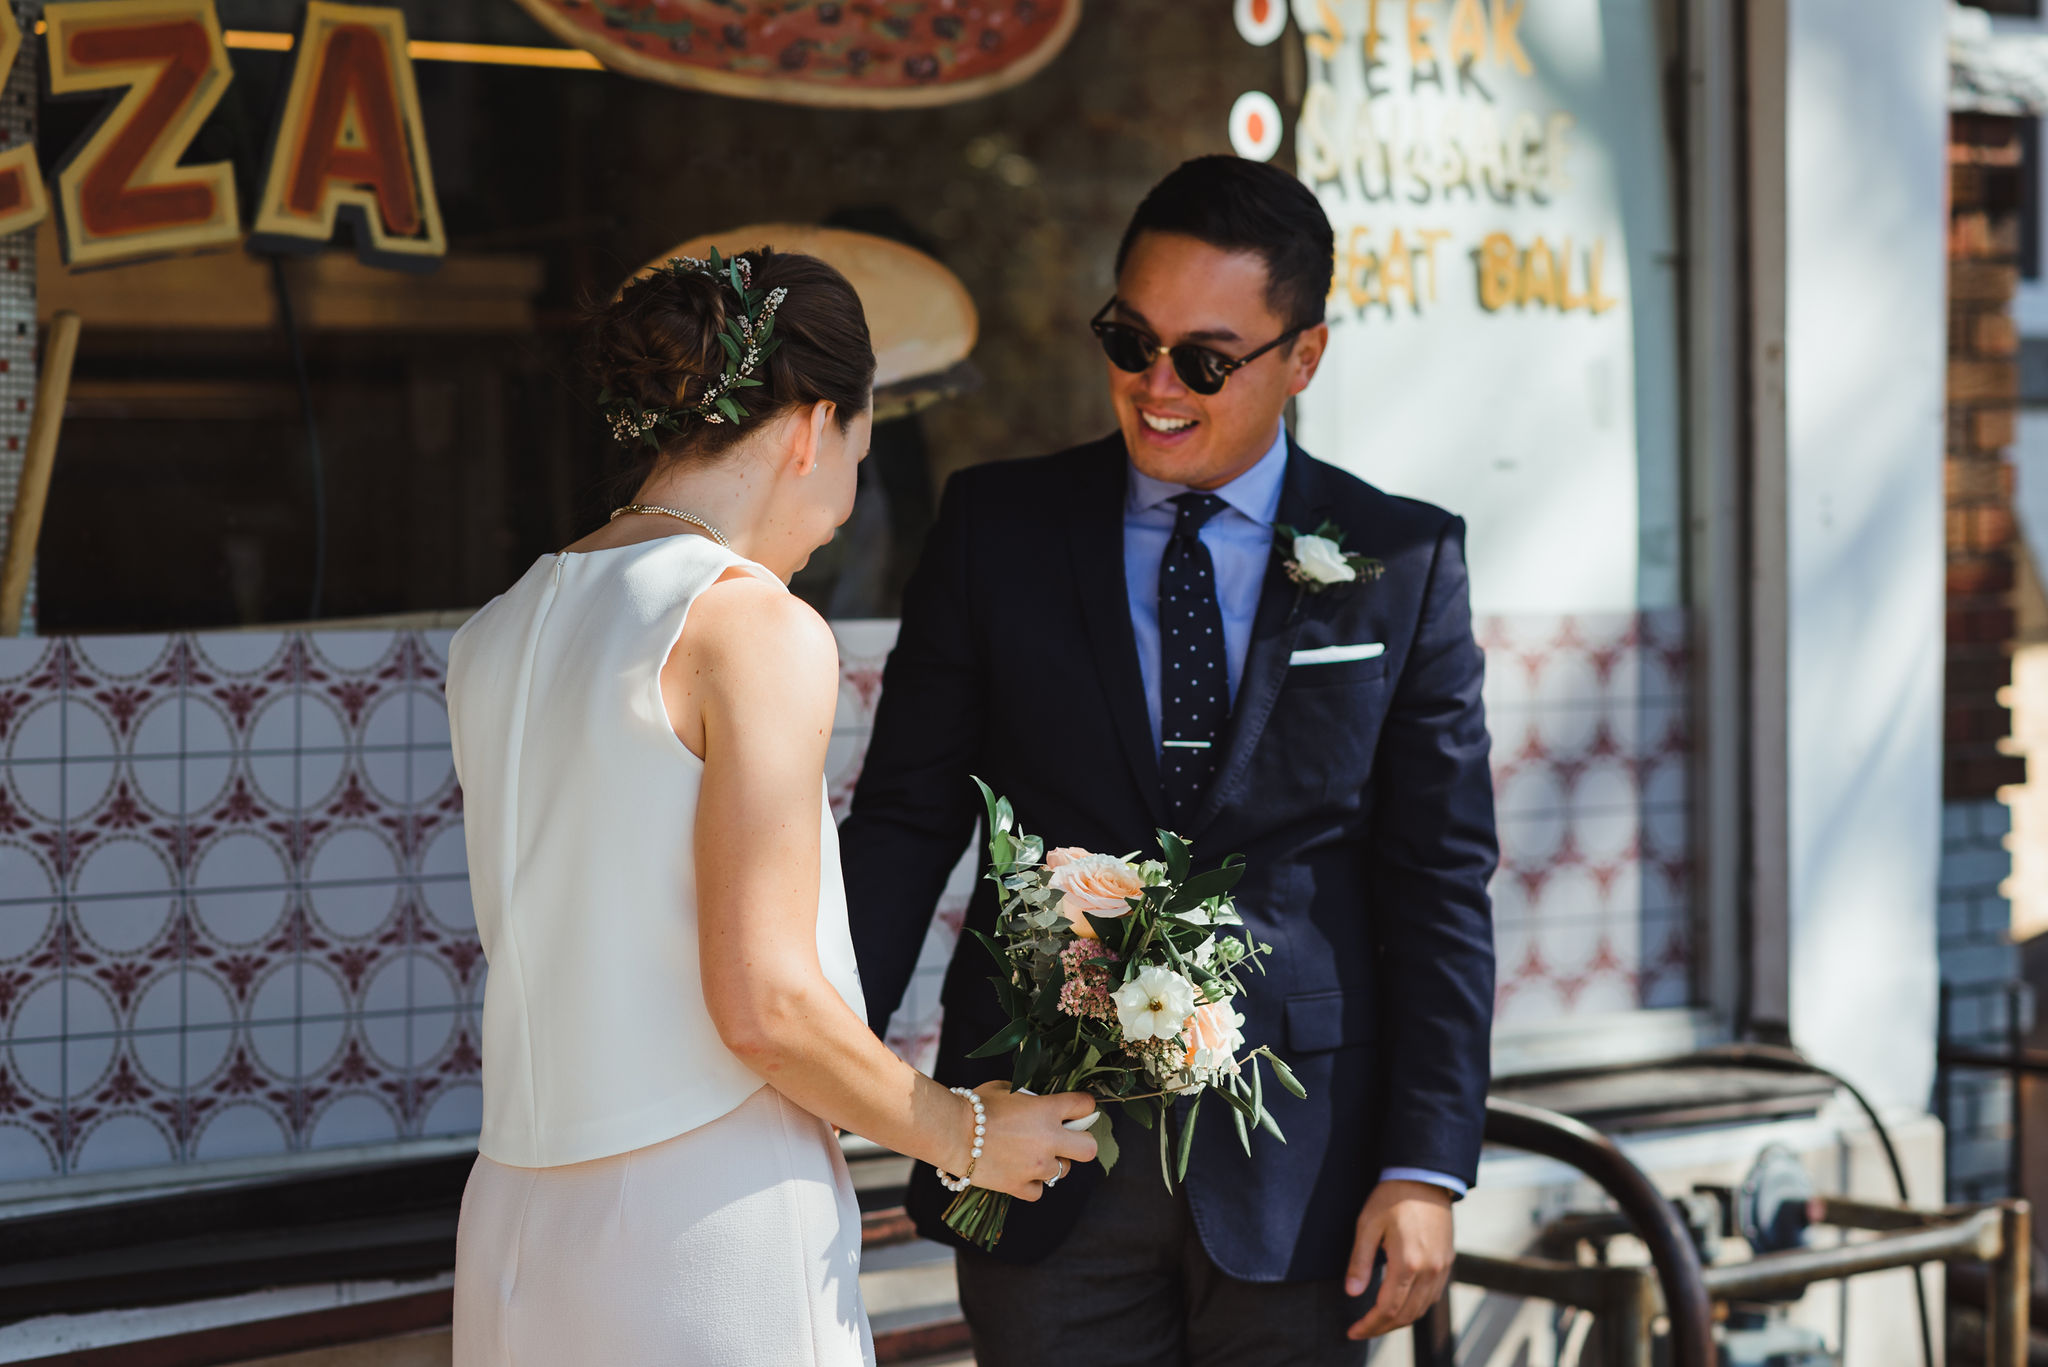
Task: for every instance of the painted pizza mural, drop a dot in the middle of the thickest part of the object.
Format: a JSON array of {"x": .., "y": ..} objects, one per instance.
[{"x": 869, "y": 53}]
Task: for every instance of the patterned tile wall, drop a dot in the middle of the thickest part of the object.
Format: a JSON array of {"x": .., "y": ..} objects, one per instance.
[
  {"x": 234, "y": 913},
  {"x": 1590, "y": 716},
  {"x": 234, "y": 916}
]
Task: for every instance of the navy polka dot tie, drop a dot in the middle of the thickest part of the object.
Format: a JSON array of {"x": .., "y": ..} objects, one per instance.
[{"x": 1194, "y": 690}]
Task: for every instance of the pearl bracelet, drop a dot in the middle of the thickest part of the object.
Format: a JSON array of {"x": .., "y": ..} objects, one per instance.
[{"x": 960, "y": 1183}]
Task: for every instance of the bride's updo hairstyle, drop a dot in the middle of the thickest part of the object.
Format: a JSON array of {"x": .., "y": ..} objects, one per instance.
[{"x": 658, "y": 357}]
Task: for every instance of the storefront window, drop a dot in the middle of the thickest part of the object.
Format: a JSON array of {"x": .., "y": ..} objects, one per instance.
[
  {"x": 1502, "y": 180},
  {"x": 234, "y": 925}
]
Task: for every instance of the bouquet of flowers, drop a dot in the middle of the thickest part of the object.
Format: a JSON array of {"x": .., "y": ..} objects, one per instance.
[{"x": 1118, "y": 978}]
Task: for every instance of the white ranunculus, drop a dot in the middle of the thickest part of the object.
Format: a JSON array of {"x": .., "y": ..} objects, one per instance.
[
  {"x": 1320, "y": 559},
  {"x": 1154, "y": 1005}
]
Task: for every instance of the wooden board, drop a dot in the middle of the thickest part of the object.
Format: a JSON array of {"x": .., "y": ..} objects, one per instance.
[
  {"x": 920, "y": 317},
  {"x": 231, "y": 290},
  {"x": 876, "y": 54}
]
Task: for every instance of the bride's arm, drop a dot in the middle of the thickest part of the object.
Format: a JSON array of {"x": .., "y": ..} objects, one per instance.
[{"x": 758, "y": 670}]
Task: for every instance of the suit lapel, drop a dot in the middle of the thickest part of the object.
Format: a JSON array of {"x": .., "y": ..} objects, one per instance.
[
  {"x": 1095, "y": 539},
  {"x": 1274, "y": 629}
]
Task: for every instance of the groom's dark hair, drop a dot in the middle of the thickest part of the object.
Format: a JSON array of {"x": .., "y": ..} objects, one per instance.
[{"x": 1237, "y": 205}]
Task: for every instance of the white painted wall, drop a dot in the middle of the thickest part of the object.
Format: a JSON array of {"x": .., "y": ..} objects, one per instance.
[{"x": 1865, "y": 354}]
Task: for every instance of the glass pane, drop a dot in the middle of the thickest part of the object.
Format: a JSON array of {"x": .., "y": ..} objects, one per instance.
[{"x": 1505, "y": 343}]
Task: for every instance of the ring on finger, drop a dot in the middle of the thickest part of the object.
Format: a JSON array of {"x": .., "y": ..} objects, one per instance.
[{"x": 1054, "y": 1179}]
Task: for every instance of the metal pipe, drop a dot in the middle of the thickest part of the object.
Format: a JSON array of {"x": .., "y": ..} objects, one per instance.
[
  {"x": 1535, "y": 1130},
  {"x": 1622, "y": 1299},
  {"x": 1979, "y": 1236},
  {"x": 2014, "y": 1042},
  {"x": 1435, "y": 1336},
  {"x": 1541, "y": 1279},
  {"x": 2008, "y": 1305},
  {"x": 1845, "y": 1213},
  {"x": 1627, "y": 1324}
]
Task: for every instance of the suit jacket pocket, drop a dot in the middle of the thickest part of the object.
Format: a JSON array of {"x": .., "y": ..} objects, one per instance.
[{"x": 1320, "y": 1021}]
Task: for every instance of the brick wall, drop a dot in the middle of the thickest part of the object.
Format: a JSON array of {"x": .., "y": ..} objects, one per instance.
[
  {"x": 1983, "y": 394},
  {"x": 1978, "y": 959}
]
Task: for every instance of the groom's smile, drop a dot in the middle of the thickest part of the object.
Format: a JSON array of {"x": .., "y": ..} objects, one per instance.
[{"x": 1179, "y": 292}]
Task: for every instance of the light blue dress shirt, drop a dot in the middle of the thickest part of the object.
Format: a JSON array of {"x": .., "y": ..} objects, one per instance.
[{"x": 1240, "y": 543}]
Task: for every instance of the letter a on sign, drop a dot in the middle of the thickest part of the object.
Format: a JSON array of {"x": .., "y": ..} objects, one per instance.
[
  {"x": 23, "y": 200},
  {"x": 351, "y": 141},
  {"x": 122, "y": 192}
]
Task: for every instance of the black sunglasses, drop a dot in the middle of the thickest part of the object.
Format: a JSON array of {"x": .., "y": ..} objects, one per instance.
[{"x": 1199, "y": 368}]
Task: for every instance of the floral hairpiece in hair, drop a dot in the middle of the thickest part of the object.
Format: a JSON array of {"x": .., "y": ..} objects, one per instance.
[{"x": 748, "y": 341}]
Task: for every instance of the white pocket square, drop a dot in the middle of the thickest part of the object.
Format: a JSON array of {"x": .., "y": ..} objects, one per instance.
[{"x": 1333, "y": 655}]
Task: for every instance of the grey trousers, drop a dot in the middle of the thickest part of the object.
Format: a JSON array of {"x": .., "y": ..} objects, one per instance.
[{"x": 1133, "y": 1287}]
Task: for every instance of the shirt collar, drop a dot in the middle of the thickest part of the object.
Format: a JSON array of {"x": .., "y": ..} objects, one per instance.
[{"x": 1255, "y": 493}]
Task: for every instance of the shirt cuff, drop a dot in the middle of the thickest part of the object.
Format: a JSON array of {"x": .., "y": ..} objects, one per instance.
[{"x": 1435, "y": 1179}]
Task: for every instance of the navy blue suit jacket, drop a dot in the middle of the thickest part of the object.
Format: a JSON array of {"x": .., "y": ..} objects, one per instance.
[{"x": 1358, "y": 792}]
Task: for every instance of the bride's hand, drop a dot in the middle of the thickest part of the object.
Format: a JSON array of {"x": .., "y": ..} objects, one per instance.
[{"x": 1026, "y": 1141}]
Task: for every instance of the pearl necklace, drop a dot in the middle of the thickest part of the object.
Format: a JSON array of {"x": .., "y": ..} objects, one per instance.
[{"x": 691, "y": 518}]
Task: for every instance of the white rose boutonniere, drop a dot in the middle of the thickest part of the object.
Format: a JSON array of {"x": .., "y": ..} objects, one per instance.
[{"x": 1317, "y": 560}]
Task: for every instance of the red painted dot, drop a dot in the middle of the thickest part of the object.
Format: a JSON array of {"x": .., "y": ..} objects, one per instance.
[
  {"x": 1261, "y": 10},
  {"x": 14, "y": 263},
  {"x": 1254, "y": 129},
  {"x": 14, "y": 443}
]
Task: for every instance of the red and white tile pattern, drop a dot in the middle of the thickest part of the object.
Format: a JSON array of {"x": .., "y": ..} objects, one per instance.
[
  {"x": 234, "y": 914},
  {"x": 864, "y": 648},
  {"x": 1591, "y": 754},
  {"x": 234, "y": 903}
]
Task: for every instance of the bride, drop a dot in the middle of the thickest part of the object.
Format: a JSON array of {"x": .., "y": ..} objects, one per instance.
[{"x": 673, "y": 1021}]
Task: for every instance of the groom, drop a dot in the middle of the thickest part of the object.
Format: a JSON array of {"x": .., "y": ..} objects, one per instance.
[{"x": 1110, "y": 638}]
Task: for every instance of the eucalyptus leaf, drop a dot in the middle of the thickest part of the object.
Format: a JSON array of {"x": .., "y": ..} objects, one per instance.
[
  {"x": 1187, "y": 1137},
  {"x": 1165, "y": 1149},
  {"x": 1029, "y": 1054},
  {"x": 1287, "y": 1078},
  {"x": 1203, "y": 886},
  {"x": 988, "y": 799},
  {"x": 1004, "y": 1040},
  {"x": 1104, "y": 1130},
  {"x": 1177, "y": 858}
]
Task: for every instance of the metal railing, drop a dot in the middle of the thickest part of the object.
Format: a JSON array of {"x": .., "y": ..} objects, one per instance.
[{"x": 1626, "y": 1301}]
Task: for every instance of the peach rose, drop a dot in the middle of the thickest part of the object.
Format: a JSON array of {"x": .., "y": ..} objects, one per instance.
[
  {"x": 1213, "y": 1038},
  {"x": 1094, "y": 884},
  {"x": 1063, "y": 856}
]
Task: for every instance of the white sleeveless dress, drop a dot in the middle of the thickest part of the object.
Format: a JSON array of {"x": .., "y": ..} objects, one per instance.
[{"x": 640, "y": 1196}]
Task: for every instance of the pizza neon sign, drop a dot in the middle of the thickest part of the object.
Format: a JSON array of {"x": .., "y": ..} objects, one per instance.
[{"x": 350, "y": 142}]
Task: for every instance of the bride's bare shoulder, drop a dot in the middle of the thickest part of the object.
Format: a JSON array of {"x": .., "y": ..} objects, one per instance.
[{"x": 749, "y": 629}]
